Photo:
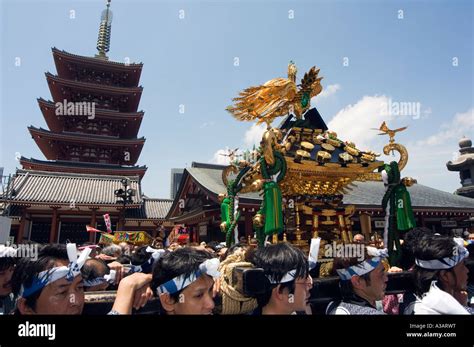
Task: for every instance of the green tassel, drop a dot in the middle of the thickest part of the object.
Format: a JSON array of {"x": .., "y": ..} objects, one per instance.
[
  {"x": 225, "y": 211},
  {"x": 272, "y": 208},
  {"x": 405, "y": 217}
]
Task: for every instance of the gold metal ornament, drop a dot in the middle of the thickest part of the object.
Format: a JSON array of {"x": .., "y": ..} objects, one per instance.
[
  {"x": 307, "y": 146},
  {"x": 258, "y": 220},
  {"x": 223, "y": 226},
  {"x": 277, "y": 97}
]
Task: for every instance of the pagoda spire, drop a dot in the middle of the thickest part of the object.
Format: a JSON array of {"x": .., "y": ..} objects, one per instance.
[{"x": 103, "y": 41}]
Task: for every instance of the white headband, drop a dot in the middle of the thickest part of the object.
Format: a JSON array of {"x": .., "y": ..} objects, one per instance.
[
  {"x": 377, "y": 252},
  {"x": 362, "y": 268},
  {"x": 208, "y": 267},
  {"x": 445, "y": 263},
  {"x": 49, "y": 276},
  {"x": 155, "y": 253},
  {"x": 110, "y": 278},
  {"x": 147, "y": 266},
  {"x": 95, "y": 281},
  {"x": 312, "y": 260}
]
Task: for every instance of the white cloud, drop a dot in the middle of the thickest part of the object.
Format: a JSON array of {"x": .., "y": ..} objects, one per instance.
[
  {"x": 253, "y": 136},
  {"x": 354, "y": 122},
  {"x": 461, "y": 124},
  {"x": 428, "y": 157},
  {"x": 220, "y": 157},
  {"x": 329, "y": 90}
]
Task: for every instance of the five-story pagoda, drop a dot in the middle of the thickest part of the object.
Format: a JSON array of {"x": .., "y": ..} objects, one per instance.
[
  {"x": 92, "y": 148},
  {"x": 93, "y": 119}
]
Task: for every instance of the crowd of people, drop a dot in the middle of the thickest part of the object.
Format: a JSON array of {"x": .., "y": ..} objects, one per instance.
[{"x": 199, "y": 279}]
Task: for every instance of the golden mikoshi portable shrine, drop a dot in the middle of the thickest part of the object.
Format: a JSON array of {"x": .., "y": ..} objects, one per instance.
[{"x": 303, "y": 169}]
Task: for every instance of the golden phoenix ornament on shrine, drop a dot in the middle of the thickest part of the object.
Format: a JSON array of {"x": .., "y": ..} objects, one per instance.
[{"x": 277, "y": 97}]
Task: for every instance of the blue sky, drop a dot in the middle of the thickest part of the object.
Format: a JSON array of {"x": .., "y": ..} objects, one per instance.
[{"x": 423, "y": 54}]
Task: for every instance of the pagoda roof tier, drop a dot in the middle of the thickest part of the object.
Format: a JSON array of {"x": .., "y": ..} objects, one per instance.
[
  {"x": 106, "y": 97},
  {"x": 54, "y": 146},
  {"x": 62, "y": 188},
  {"x": 128, "y": 124},
  {"x": 82, "y": 168},
  {"x": 72, "y": 66}
]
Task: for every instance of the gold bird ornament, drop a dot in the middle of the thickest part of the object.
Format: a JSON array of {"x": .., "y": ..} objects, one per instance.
[
  {"x": 277, "y": 97},
  {"x": 386, "y": 131}
]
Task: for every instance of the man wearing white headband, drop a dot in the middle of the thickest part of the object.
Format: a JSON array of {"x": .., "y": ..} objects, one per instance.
[
  {"x": 286, "y": 269},
  {"x": 440, "y": 276},
  {"x": 362, "y": 284},
  {"x": 184, "y": 279},
  {"x": 52, "y": 284}
]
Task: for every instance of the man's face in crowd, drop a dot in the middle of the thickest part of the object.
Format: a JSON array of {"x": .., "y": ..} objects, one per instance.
[
  {"x": 59, "y": 297},
  {"x": 378, "y": 282},
  {"x": 5, "y": 277},
  {"x": 375, "y": 289},
  {"x": 195, "y": 298},
  {"x": 301, "y": 294},
  {"x": 456, "y": 278}
]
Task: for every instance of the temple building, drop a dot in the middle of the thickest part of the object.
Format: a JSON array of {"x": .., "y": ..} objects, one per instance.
[
  {"x": 196, "y": 205},
  {"x": 91, "y": 148},
  {"x": 464, "y": 163}
]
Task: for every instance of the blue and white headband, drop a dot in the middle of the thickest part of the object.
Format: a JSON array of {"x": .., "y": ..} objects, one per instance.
[
  {"x": 147, "y": 266},
  {"x": 364, "y": 267},
  {"x": 444, "y": 263},
  {"x": 49, "y": 276},
  {"x": 312, "y": 260},
  {"x": 208, "y": 267},
  {"x": 110, "y": 278},
  {"x": 95, "y": 281},
  {"x": 377, "y": 252}
]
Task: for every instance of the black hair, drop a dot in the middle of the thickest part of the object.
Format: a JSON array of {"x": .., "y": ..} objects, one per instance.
[
  {"x": 276, "y": 260},
  {"x": 214, "y": 245},
  {"x": 346, "y": 288},
  {"x": 140, "y": 256},
  {"x": 27, "y": 270},
  {"x": 410, "y": 239},
  {"x": 94, "y": 268},
  {"x": 431, "y": 247},
  {"x": 124, "y": 260},
  {"x": 183, "y": 261},
  {"x": 234, "y": 248},
  {"x": 7, "y": 262}
]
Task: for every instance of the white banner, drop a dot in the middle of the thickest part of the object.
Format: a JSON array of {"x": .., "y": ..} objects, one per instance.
[{"x": 5, "y": 225}]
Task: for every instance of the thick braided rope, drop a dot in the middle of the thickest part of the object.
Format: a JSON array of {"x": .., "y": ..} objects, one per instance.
[{"x": 233, "y": 302}]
